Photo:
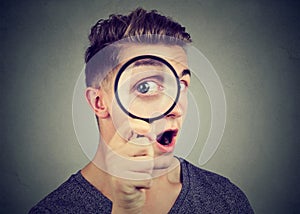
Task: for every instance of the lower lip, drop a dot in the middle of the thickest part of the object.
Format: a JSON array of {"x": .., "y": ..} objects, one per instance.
[{"x": 168, "y": 148}]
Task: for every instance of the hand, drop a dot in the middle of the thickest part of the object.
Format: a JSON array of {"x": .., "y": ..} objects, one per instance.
[{"x": 130, "y": 163}]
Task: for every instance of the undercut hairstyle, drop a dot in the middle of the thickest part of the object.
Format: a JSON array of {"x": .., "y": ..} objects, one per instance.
[{"x": 139, "y": 23}]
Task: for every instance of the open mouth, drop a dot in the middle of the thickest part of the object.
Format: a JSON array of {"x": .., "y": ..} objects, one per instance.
[{"x": 166, "y": 138}]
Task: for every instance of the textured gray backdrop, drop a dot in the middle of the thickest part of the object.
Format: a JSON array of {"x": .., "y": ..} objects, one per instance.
[{"x": 253, "y": 45}]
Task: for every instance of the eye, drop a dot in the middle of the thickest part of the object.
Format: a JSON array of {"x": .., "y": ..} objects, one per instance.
[
  {"x": 183, "y": 85},
  {"x": 148, "y": 88}
]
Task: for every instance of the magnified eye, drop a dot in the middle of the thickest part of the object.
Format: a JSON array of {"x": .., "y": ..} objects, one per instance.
[{"x": 148, "y": 88}]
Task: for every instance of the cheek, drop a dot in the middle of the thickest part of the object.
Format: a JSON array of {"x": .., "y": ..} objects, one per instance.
[
  {"x": 111, "y": 102},
  {"x": 183, "y": 102}
]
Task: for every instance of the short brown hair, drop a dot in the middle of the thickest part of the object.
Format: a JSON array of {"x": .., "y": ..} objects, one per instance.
[{"x": 138, "y": 23}]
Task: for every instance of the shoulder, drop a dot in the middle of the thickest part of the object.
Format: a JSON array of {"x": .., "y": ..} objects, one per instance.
[
  {"x": 214, "y": 191},
  {"x": 75, "y": 195}
]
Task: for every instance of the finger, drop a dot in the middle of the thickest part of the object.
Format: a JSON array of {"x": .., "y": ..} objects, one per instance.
[
  {"x": 130, "y": 169},
  {"x": 131, "y": 175},
  {"x": 128, "y": 131},
  {"x": 129, "y": 201},
  {"x": 120, "y": 166},
  {"x": 128, "y": 187},
  {"x": 141, "y": 129},
  {"x": 127, "y": 195},
  {"x": 134, "y": 148},
  {"x": 139, "y": 126},
  {"x": 121, "y": 136},
  {"x": 137, "y": 166}
]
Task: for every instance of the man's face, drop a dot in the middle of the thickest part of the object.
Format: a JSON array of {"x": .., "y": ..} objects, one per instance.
[{"x": 166, "y": 129}]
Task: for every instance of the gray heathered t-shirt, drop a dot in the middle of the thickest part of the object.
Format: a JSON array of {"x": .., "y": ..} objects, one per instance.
[{"x": 202, "y": 192}]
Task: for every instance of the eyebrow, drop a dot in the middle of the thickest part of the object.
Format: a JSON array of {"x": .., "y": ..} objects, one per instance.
[
  {"x": 147, "y": 62},
  {"x": 186, "y": 72},
  {"x": 157, "y": 63}
]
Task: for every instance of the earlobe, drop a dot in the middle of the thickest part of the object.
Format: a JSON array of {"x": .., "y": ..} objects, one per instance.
[{"x": 96, "y": 101}]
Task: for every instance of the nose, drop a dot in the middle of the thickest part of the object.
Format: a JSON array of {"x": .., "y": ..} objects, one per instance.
[{"x": 176, "y": 112}]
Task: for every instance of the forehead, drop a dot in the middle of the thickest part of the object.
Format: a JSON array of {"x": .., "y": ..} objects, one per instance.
[{"x": 174, "y": 54}]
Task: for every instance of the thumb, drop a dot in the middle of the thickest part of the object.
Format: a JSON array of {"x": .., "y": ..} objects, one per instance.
[
  {"x": 131, "y": 129},
  {"x": 141, "y": 128}
]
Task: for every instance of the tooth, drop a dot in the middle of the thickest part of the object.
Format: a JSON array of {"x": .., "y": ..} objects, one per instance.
[{"x": 166, "y": 140}]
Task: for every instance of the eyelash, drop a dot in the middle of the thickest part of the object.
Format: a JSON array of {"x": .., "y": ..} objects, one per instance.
[{"x": 185, "y": 83}]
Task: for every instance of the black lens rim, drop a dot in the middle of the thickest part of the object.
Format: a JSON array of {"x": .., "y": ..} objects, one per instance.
[{"x": 122, "y": 69}]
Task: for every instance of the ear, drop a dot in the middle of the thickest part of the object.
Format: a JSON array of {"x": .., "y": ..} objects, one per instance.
[{"x": 96, "y": 101}]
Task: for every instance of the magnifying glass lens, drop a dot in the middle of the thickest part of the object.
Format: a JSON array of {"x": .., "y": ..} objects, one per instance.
[{"x": 147, "y": 88}]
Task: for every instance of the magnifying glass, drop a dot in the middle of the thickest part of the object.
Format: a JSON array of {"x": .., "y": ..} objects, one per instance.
[{"x": 147, "y": 87}]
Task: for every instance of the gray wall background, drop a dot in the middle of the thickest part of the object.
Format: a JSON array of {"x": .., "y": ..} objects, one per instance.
[{"x": 253, "y": 45}]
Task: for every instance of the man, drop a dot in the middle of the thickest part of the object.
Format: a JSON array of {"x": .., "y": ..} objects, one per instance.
[{"x": 134, "y": 169}]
